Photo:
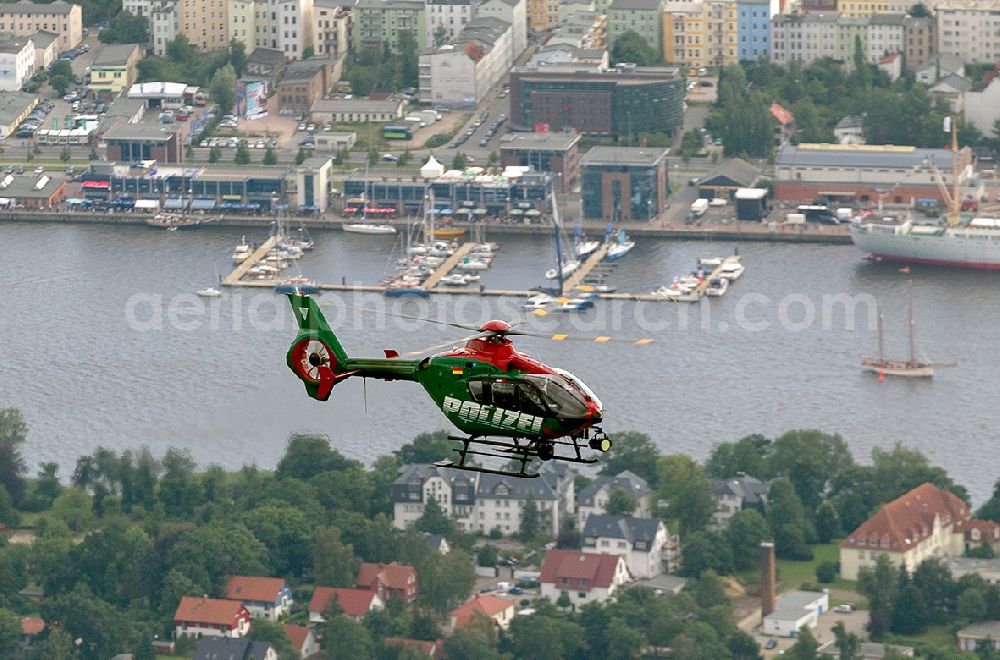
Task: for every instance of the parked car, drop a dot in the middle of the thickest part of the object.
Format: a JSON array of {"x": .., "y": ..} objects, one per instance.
[
  {"x": 301, "y": 126},
  {"x": 845, "y": 608},
  {"x": 390, "y": 158},
  {"x": 40, "y": 170},
  {"x": 771, "y": 643},
  {"x": 69, "y": 98}
]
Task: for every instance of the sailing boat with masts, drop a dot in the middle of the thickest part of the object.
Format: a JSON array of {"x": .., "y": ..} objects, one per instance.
[{"x": 911, "y": 367}]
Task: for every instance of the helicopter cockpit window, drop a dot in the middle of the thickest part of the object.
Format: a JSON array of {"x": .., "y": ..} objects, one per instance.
[
  {"x": 559, "y": 395},
  {"x": 509, "y": 394},
  {"x": 504, "y": 394},
  {"x": 480, "y": 391}
]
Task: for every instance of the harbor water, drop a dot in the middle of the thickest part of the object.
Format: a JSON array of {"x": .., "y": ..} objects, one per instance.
[{"x": 102, "y": 342}]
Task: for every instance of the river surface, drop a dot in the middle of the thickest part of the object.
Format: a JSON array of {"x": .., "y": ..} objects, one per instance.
[{"x": 102, "y": 342}]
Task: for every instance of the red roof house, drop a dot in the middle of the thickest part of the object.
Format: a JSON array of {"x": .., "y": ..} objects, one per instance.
[
  {"x": 583, "y": 576},
  {"x": 353, "y": 602},
  {"x": 303, "y": 639},
  {"x": 424, "y": 648},
  {"x": 211, "y": 617},
  {"x": 388, "y": 580},
  {"x": 31, "y": 626},
  {"x": 265, "y": 597},
  {"x": 498, "y": 610}
]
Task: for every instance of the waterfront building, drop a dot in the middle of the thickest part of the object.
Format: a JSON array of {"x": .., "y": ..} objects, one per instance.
[
  {"x": 17, "y": 63},
  {"x": 639, "y": 16},
  {"x": 623, "y": 184},
  {"x": 114, "y": 68},
  {"x": 544, "y": 152},
  {"x": 753, "y": 28},
  {"x": 619, "y": 101},
  {"x": 36, "y": 193},
  {"x": 205, "y": 189},
  {"x": 969, "y": 29},
  {"x": 381, "y": 22},
  {"x": 135, "y": 142},
  {"x": 700, "y": 34},
  {"x": 24, "y": 18},
  {"x": 313, "y": 183},
  {"x": 464, "y": 71}
]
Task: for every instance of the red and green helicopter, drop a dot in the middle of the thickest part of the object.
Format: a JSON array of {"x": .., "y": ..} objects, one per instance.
[{"x": 509, "y": 404}]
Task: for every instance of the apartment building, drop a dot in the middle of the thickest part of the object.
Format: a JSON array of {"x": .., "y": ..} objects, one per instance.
[
  {"x": 753, "y": 28},
  {"x": 379, "y": 22},
  {"x": 331, "y": 27},
  {"x": 969, "y": 29},
  {"x": 809, "y": 37},
  {"x": 164, "y": 25},
  {"x": 242, "y": 22},
  {"x": 582, "y": 30},
  {"x": 639, "y": 16},
  {"x": 919, "y": 41},
  {"x": 462, "y": 72},
  {"x": 543, "y": 15},
  {"x": 861, "y": 8},
  {"x": 25, "y": 18},
  {"x": 17, "y": 63},
  {"x": 114, "y": 68},
  {"x": 446, "y": 18},
  {"x": 204, "y": 23},
  {"x": 514, "y": 12},
  {"x": 700, "y": 34}
]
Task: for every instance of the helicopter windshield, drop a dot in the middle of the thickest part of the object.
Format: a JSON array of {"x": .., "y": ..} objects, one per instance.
[
  {"x": 580, "y": 385},
  {"x": 562, "y": 398}
]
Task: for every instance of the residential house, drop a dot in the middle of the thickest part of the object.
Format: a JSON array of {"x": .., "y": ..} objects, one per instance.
[
  {"x": 114, "y": 68},
  {"x": 644, "y": 543},
  {"x": 303, "y": 639},
  {"x": 982, "y": 106},
  {"x": 939, "y": 66},
  {"x": 866, "y": 650},
  {"x": 923, "y": 523},
  {"x": 498, "y": 610},
  {"x": 211, "y": 617},
  {"x": 355, "y": 603},
  {"x": 970, "y": 637},
  {"x": 24, "y": 18},
  {"x": 31, "y": 628},
  {"x": 639, "y": 16},
  {"x": 735, "y": 494},
  {"x": 584, "y": 577},
  {"x": 784, "y": 127},
  {"x": 594, "y": 497},
  {"x": 17, "y": 63},
  {"x": 381, "y": 22},
  {"x": 850, "y": 130},
  {"x": 952, "y": 88},
  {"x": 892, "y": 65},
  {"x": 226, "y": 648},
  {"x": 423, "y": 648},
  {"x": 974, "y": 533},
  {"x": 389, "y": 581},
  {"x": 794, "y": 610},
  {"x": 264, "y": 597},
  {"x": 415, "y": 485},
  {"x": 46, "y": 48},
  {"x": 437, "y": 543}
]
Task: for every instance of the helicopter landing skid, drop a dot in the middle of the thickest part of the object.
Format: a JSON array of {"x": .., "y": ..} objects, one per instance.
[{"x": 516, "y": 448}]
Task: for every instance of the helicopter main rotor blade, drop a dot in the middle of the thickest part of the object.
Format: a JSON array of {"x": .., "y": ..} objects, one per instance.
[
  {"x": 597, "y": 339},
  {"x": 453, "y": 342},
  {"x": 460, "y": 326}
]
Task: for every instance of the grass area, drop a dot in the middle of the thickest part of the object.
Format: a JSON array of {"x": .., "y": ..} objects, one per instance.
[
  {"x": 938, "y": 636},
  {"x": 793, "y": 574}
]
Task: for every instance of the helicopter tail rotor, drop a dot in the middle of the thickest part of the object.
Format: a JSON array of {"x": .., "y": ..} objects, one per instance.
[{"x": 316, "y": 355}]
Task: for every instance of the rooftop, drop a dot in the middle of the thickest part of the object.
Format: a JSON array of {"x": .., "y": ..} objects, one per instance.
[
  {"x": 15, "y": 45},
  {"x": 228, "y": 648},
  {"x": 393, "y": 576},
  {"x": 792, "y": 604},
  {"x": 353, "y": 602},
  {"x": 635, "y": 5},
  {"x": 257, "y": 589},
  {"x": 630, "y": 482},
  {"x": 26, "y": 7},
  {"x": 981, "y": 630},
  {"x": 115, "y": 54},
  {"x": 266, "y": 56},
  {"x": 215, "y": 611},
  {"x": 297, "y": 635},
  {"x": 860, "y": 155},
  {"x": 628, "y": 528},
  {"x": 597, "y": 570},
  {"x": 749, "y": 489},
  {"x": 24, "y": 187},
  {"x": 356, "y": 105},
  {"x": 139, "y": 132},
  {"x": 908, "y": 519},
  {"x": 635, "y": 156},
  {"x": 484, "y": 604},
  {"x": 42, "y": 38},
  {"x": 558, "y": 141}
]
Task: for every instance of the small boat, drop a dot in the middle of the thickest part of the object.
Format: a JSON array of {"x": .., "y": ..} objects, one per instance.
[
  {"x": 303, "y": 242},
  {"x": 209, "y": 292},
  {"x": 298, "y": 285},
  {"x": 732, "y": 271},
  {"x": 368, "y": 228},
  {"x": 709, "y": 262},
  {"x": 173, "y": 221},
  {"x": 286, "y": 251},
  {"x": 470, "y": 263},
  {"x": 575, "y": 305},
  {"x": 242, "y": 251},
  {"x": 568, "y": 268},
  {"x": 621, "y": 248},
  {"x": 406, "y": 290},
  {"x": 717, "y": 287},
  {"x": 540, "y": 302},
  {"x": 449, "y": 233},
  {"x": 456, "y": 279},
  {"x": 586, "y": 248}
]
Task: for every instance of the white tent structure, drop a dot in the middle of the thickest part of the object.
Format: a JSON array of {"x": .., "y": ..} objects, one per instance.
[{"x": 431, "y": 169}]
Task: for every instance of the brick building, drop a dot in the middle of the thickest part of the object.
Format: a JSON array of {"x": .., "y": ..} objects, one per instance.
[
  {"x": 135, "y": 142},
  {"x": 545, "y": 152}
]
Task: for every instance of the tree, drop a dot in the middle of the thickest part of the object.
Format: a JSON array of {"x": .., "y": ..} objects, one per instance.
[
  {"x": 983, "y": 551},
  {"x": 425, "y": 448},
  {"x": 686, "y": 489},
  {"x": 74, "y": 507},
  {"x": 274, "y": 633},
  {"x": 971, "y": 605},
  {"x": 909, "y": 613},
  {"x": 458, "y": 161},
  {"x": 223, "y": 88},
  {"x": 126, "y": 29},
  {"x": 345, "y": 639},
  {"x": 827, "y": 523},
  {"x": 10, "y": 633},
  {"x": 788, "y": 521},
  {"x": 65, "y": 155},
  {"x": 178, "y": 487},
  {"x": 811, "y": 460},
  {"x": 710, "y": 590},
  {"x": 440, "y": 36},
  {"x": 569, "y": 536},
  {"x": 409, "y": 75},
  {"x": 806, "y": 646},
  {"x": 209, "y": 554},
  {"x": 487, "y": 556},
  {"x": 879, "y": 584},
  {"x": 848, "y": 644},
  {"x": 620, "y": 502},
  {"x": 214, "y": 154},
  {"x": 743, "y": 534},
  {"x": 634, "y": 452},
  {"x": 826, "y": 572},
  {"x": 476, "y": 641},
  {"x": 493, "y": 158},
  {"x": 179, "y": 49},
  {"x": 46, "y": 487},
  {"x": 630, "y": 47},
  {"x": 434, "y": 520},
  {"x": 935, "y": 583},
  {"x": 919, "y": 11},
  {"x": 13, "y": 432},
  {"x": 238, "y": 56},
  {"x": 118, "y": 563},
  {"x": 990, "y": 510},
  {"x": 301, "y": 155},
  {"x": 530, "y": 522},
  {"x": 545, "y": 636},
  {"x": 242, "y": 156},
  {"x": 102, "y": 630},
  {"x": 287, "y": 532},
  {"x": 445, "y": 580},
  {"x": 334, "y": 563},
  {"x": 705, "y": 551},
  {"x": 189, "y": 151},
  {"x": 61, "y": 68},
  {"x": 308, "y": 455}
]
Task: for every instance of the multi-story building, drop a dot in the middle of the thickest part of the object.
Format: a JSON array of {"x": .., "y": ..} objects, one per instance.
[
  {"x": 583, "y": 577},
  {"x": 753, "y": 28},
  {"x": 304, "y": 83},
  {"x": 969, "y": 29},
  {"x": 17, "y": 63},
  {"x": 583, "y": 30},
  {"x": 242, "y": 20},
  {"x": 700, "y": 34},
  {"x": 331, "y": 27},
  {"x": 569, "y": 7},
  {"x": 292, "y": 29},
  {"x": 593, "y": 499},
  {"x": 204, "y": 23},
  {"x": 164, "y": 25},
  {"x": 544, "y": 152},
  {"x": 114, "y": 68},
  {"x": 622, "y": 100},
  {"x": 382, "y": 22},
  {"x": 483, "y": 502},
  {"x": 446, "y": 18},
  {"x": 46, "y": 49},
  {"x": 919, "y": 41},
  {"x": 462, "y": 72},
  {"x": 514, "y": 12},
  {"x": 24, "y": 18},
  {"x": 639, "y": 16},
  {"x": 861, "y": 8},
  {"x": 735, "y": 494},
  {"x": 924, "y": 523},
  {"x": 809, "y": 37},
  {"x": 623, "y": 184},
  {"x": 15, "y": 108},
  {"x": 542, "y": 14},
  {"x": 644, "y": 544}
]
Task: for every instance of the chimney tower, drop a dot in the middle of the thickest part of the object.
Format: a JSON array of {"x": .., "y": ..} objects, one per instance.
[{"x": 767, "y": 578}]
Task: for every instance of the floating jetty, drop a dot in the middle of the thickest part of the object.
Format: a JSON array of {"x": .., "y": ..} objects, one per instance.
[
  {"x": 235, "y": 278},
  {"x": 581, "y": 273},
  {"x": 449, "y": 265}
]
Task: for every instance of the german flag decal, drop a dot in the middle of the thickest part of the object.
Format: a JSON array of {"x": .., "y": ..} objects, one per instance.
[{"x": 457, "y": 371}]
